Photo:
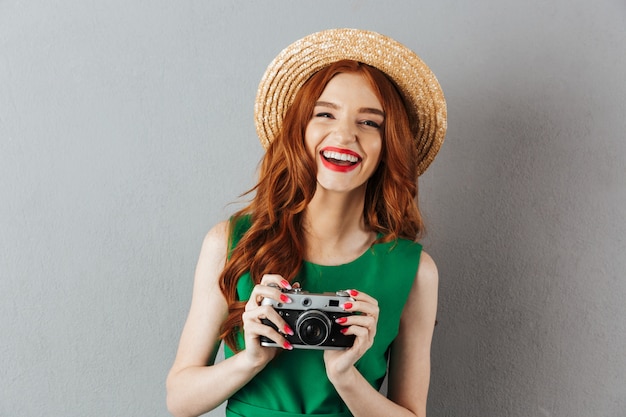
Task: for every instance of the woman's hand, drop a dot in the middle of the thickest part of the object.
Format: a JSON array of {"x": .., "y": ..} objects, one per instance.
[
  {"x": 254, "y": 312},
  {"x": 339, "y": 363}
]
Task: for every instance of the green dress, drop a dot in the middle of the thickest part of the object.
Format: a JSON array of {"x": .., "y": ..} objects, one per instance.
[{"x": 295, "y": 382}]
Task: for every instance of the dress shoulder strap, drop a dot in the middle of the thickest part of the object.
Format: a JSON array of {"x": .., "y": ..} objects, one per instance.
[{"x": 238, "y": 226}]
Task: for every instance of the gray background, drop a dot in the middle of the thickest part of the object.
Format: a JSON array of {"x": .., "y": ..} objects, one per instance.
[{"x": 126, "y": 131}]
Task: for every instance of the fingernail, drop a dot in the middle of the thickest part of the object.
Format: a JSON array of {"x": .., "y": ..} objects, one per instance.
[
  {"x": 285, "y": 299},
  {"x": 287, "y": 330},
  {"x": 287, "y": 345},
  {"x": 353, "y": 293},
  {"x": 341, "y": 320},
  {"x": 285, "y": 284},
  {"x": 344, "y": 330},
  {"x": 347, "y": 306}
]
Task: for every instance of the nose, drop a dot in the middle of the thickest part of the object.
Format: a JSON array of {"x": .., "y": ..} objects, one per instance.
[{"x": 345, "y": 132}]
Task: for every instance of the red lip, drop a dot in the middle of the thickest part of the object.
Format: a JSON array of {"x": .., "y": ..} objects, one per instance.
[{"x": 343, "y": 167}]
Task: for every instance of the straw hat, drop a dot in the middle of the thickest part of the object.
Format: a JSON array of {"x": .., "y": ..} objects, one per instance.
[{"x": 420, "y": 89}]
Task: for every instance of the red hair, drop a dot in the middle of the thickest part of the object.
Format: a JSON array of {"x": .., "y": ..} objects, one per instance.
[{"x": 287, "y": 182}]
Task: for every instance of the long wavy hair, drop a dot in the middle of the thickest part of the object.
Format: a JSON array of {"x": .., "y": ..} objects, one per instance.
[{"x": 287, "y": 182}]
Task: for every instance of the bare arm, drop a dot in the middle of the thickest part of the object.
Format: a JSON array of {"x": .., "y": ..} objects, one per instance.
[
  {"x": 196, "y": 384},
  {"x": 409, "y": 371}
]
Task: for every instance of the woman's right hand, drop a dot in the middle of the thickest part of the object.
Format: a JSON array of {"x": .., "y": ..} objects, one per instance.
[{"x": 254, "y": 312}]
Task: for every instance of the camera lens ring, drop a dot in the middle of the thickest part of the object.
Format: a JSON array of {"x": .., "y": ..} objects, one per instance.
[{"x": 313, "y": 327}]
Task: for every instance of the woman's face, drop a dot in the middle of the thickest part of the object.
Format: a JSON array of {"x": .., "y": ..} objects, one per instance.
[{"x": 344, "y": 135}]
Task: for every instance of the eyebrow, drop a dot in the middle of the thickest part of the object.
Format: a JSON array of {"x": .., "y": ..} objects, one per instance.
[{"x": 371, "y": 110}]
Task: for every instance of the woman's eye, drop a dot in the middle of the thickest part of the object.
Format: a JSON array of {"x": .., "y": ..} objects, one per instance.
[
  {"x": 371, "y": 123},
  {"x": 323, "y": 114}
]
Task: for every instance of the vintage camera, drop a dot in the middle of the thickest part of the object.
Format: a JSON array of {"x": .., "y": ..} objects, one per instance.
[{"x": 312, "y": 318}]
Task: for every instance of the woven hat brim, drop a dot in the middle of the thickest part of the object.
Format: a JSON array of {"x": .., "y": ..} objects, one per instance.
[{"x": 299, "y": 61}]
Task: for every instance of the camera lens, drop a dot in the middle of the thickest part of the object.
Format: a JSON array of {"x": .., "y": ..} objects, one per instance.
[{"x": 313, "y": 327}]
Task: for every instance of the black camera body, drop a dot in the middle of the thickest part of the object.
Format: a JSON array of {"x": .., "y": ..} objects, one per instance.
[{"x": 312, "y": 319}]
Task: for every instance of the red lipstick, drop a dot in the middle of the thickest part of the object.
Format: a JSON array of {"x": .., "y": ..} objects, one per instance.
[{"x": 340, "y": 160}]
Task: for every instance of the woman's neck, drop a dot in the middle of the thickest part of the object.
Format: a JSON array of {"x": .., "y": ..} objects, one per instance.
[{"x": 334, "y": 228}]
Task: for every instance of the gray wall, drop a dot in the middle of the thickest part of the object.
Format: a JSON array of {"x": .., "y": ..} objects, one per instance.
[{"x": 126, "y": 131}]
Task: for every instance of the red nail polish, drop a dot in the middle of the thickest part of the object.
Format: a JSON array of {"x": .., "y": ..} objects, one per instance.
[
  {"x": 341, "y": 320},
  {"x": 353, "y": 293},
  {"x": 287, "y": 345},
  {"x": 347, "y": 306},
  {"x": 284, "y": 298},
  {"x": 287, "y": 330},
  {"x": 344, "y": 330},
  {"x": 285, "y": 284}
]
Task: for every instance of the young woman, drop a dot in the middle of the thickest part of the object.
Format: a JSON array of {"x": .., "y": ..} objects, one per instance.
[{"x": 350, "y": 119}]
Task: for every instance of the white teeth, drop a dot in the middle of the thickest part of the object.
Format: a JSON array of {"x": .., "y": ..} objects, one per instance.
[{"x": 340, "y": 156}]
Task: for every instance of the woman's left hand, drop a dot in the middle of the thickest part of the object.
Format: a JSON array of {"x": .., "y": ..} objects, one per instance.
[{"x": 363, "y": 326}]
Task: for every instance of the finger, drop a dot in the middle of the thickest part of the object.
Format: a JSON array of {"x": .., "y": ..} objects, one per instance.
[
  {"x": 275, "y": 279},
  {"x": 358, "y": 331},
  {"x": 266, "y": 313},
  {"x": 358, "y": 320},
  {"x": 260, "y": 292},
  {"x": 367, "y": 332},
  {"x": 362, "y": 306},
  {"x": 361, "y": 296},
  {"x": 265, "y": 321},
  {"x": 256, "y": 330}
]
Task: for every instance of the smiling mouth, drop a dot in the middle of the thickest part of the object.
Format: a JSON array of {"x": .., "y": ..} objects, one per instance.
[{"x": 340, "y": 158}]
